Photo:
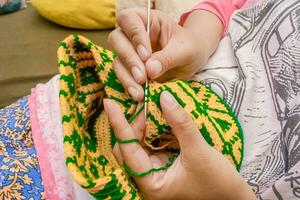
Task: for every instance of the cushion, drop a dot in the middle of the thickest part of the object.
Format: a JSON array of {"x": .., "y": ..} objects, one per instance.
[
  {"x": 81, "y": 14},
  {"x": 174, "y": 8},
  {"x": 7, "y": 6},
  {"x": 123, "y": 4},
  {"x": 28, "y": 56}
]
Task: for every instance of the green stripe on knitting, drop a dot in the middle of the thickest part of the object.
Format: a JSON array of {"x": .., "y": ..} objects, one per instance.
[
  {"x": 135, "y": 174},
  {"x": 127, "y": 141},
  {"x": 113, "y": 82},
  {"x": 130, "y": 121},
  {"x": 241, "y": 135},
  {"x": 65, "y": 64},
  {"x": 178, "y": 99},
  {"x": 63, "y": 44},
  {"x": 111, "y": 190},
  {"x": 76, "y": 37},
  {"x": 227, "y": 147},
  {"x": 137, "y": 114},
  {"x": 70, "y": 80},
  {"x": 126, "y": 103},
  {"x": 114, "y": 54},
  {"x": 88, "y": 76},
  {"x": 80, "y": 47},
  {"x": 75, "y": 140},
  {"x": 155, "y": 96},
  {"x": 90, "y": 45},
  {"x": 105, "y": 57},
  {"x": 81, "y": 96},
  {"x": 161, "y": 129},
  {"x": 197, "y": 104},
  {"x": 63, "y": 93}
]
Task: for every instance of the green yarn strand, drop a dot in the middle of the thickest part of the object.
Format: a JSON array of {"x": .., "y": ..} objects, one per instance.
[
  {"x": 163, "y": 168},
  {"x": 130, "y": 121},
  {"x": 127, "y": 141},
  {"x": 137, "y": 114},
  {"x": 130, "y": 171}
]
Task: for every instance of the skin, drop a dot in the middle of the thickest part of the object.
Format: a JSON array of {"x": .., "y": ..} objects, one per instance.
[
  {"x": 172, "y": 51},
  {"x": 199, "y": 172}
]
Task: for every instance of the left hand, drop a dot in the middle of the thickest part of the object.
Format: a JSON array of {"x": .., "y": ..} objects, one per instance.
[
  {"x": 172, "y": 51},
  {"x": 199, "y": 172}
]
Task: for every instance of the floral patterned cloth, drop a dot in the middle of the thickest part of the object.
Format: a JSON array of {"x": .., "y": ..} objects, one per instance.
[
  {"x": 7, "y": 6},
  {"x": 20, "y": 176}
]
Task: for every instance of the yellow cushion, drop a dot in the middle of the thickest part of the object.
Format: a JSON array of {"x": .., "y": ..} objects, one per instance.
[{"x": 82, "y": 14}]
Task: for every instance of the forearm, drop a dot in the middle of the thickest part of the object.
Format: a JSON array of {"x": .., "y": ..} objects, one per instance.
[
  {"x": 207, "y": 27},
  {"x": 242, "y": 190}
]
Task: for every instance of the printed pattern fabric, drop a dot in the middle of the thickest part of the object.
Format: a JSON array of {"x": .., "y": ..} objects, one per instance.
[
  {"x": 261, "y": 83},
  {"x": 20, "y": 176}
]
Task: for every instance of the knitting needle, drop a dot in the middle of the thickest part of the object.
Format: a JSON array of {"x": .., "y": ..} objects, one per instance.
[{"x": 146, "y": 85}]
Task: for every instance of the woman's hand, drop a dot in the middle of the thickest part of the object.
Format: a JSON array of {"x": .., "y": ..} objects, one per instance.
[
  {"x": 171, "y": 51},
  {"x": 199, "y": 172}
]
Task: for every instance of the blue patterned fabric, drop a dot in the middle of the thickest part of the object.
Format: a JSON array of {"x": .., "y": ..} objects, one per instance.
[{"x": 20, "y": 176}]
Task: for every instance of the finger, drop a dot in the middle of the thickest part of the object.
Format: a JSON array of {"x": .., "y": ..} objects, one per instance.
[
  {"x": 133, "y": 24},
  {"x": 133, "y": 154},
  {"x": 138, "y": 127},
  {"x": 160, "y": 159},
  {"x": 138, "y": 124},
  {"x": 166, "y": 32},
  {"x": 155, "y": 30},
  {"x": 176, "y": 53},
  {"x": 188, "y": 135},
  {"x": 134, "y": 89},
  {"x": 127, "y": 55},
  {"x": 117, "y": 154}
]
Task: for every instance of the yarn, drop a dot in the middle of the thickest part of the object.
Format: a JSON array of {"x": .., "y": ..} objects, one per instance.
[{"x": 87, "y": 77}]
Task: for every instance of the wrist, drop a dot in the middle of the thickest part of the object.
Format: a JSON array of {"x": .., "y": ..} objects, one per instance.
[
  {"x": 228, "y": 183},
  {"x": 238, "y": 189},
  {"x": 207, "y": 27}
]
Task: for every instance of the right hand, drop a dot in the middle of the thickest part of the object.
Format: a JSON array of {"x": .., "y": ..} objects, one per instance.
[
  {"x": 199, "y": 171},
  {"x": 171, "y": 52}
]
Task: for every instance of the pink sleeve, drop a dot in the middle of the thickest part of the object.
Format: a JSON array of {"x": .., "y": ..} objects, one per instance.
[{"x": 222, "y": 8}]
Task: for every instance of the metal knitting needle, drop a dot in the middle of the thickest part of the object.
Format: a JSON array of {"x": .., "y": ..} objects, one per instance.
[{"x": 146, "y": 85}]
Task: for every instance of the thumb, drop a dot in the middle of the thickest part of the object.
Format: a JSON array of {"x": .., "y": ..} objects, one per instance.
[
  {"x": 188, "y": 135},
  {"x": 177, "y": 52}
]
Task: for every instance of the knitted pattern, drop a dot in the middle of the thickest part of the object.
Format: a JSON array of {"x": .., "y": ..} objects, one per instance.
[{"x": 87, "y": 76}]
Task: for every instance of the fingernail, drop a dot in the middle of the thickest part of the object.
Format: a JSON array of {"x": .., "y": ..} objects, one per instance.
[
  {"x": 142, "y": 51},
  {"x": 154, "y": 68},
  {"x": 137, "y": 74},
  {"x": 168, "y": 99},
  {"x": 133, "y": 92}
]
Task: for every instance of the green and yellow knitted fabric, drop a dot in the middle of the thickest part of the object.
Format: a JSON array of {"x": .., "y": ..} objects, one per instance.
[{"x": 87, "y": 76}]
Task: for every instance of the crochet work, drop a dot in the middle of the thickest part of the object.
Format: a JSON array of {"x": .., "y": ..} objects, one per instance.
[{"x": 87, "y": 76}]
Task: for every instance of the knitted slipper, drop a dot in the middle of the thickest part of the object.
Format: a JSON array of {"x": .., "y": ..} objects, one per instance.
[{"x": 87, "y": 76}]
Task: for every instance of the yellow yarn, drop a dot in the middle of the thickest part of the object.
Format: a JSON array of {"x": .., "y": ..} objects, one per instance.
[{"x": 87, "y": 76}]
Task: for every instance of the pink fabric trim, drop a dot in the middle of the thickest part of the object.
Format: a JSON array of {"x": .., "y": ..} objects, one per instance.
[
  {"x": 51, "y": 157},
  {"x": 41, "y": 149},
  {"x": 47, "y": 134},
  {"x": 223, "y": 9}
]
